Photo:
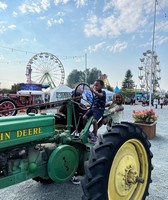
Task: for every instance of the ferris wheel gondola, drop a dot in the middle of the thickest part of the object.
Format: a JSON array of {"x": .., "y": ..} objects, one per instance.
[
  {"x": 45, "y": 68},
  {"x": 145, "y": 74}
]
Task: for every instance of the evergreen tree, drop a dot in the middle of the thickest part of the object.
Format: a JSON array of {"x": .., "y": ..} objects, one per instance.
[{"x": 128, "y": 83}]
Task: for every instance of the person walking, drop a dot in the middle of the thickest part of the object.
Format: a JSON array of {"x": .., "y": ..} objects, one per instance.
[
  {"x": 161, "y": 102},
  {"x": 155, "y": 102}
]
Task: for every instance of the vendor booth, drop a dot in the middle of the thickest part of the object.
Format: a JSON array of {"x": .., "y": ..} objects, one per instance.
[{"x": 62, "y": 92}]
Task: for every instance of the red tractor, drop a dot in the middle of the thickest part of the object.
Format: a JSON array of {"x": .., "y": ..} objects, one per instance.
[{"x": 10, "y": 104}]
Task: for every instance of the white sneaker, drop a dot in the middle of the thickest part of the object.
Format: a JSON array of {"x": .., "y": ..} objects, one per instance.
[{"x": 75, "y": 180}]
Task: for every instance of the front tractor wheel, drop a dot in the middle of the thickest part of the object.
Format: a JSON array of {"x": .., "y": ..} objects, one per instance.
[{"x": 120, "y": 166}]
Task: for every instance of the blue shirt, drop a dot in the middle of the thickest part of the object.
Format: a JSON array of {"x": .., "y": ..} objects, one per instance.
[{"x": 100, "y": 102}]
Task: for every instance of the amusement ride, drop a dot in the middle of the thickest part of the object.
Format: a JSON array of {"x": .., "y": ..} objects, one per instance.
[
  {"x": 45, "y": 68},
  {"x": 146, "y": 73}
]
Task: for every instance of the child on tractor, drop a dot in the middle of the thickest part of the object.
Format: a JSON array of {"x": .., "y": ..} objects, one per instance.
[
  {"x": 115, "y": 108},
  {"x": 98, "y": 107}
]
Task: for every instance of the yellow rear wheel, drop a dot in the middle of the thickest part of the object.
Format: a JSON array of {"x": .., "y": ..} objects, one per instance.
[
  {"x": 129, "y": 172},
  {"x": 120, "y": 166}
]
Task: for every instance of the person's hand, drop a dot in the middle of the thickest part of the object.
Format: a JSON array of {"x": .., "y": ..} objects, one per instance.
[
  {"x": 92, "y": 89},
  {"x": 113, "y": 111}
]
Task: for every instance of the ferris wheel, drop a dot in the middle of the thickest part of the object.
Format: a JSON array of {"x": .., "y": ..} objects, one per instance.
[
  {"x": 145, "y": 75},
  {"x": 45, "y": 68}
]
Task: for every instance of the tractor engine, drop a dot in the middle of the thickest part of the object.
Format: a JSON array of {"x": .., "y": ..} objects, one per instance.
[{"x": 30, "y": 147}]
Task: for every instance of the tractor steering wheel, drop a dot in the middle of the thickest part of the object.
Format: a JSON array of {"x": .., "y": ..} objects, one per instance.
[{"x": 87, "y": 96}]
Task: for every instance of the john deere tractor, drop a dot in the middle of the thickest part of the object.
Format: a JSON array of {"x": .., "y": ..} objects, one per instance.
[{"x": 43, "y": 148}]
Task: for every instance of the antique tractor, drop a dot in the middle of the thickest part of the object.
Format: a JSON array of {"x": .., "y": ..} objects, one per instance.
[
  {"x": 10, "y": 105},
  {"x": 40, "y": 147}
]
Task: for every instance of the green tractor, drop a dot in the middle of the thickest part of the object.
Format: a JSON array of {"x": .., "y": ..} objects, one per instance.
[{"x": 40, "y": 147}]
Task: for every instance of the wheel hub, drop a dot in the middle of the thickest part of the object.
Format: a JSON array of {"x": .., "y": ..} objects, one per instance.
[
  {"x": 131, "y": 177},
  {"x": 125, "y": 174}
]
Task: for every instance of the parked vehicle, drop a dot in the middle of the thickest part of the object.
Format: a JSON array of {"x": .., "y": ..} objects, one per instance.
[{"x": 10, "y": 104}]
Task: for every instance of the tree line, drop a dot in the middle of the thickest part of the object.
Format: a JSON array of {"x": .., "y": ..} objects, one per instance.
[{"x": 89, "y": 76}]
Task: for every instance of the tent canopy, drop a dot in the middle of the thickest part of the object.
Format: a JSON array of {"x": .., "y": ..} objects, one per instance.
[
  {"x": 109, "y": 95},
  {"x": 60, "y": 93},
  {"x": 116, "y": 90}
]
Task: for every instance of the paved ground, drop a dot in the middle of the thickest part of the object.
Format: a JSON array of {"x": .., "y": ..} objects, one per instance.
[{"x": 30, "y": 190}]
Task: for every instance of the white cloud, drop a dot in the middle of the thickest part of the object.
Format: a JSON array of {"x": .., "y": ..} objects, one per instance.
[
  {"x": 120, "y": 16},
  {"x": 24, "y": 40},
  {"x": 52, "y": 21},
  {"x": 42, "y": 17},
  {"x": 60, "y": 14},
  {"x": 12, "y": 26},
  {"x": 94, "y": 48},
  {"x": 117, "y": 47},
  {"x": 2, "y": 29},
  {"x": 81, "y": 3},
  {"x": 28, "y": 41},
  {"x": 61, "y": 1},
  {"x": 14, "y": 13},
  {"x": 162, "y": 26},
  {"x": 3, "y": 6},
  {"x": 2, "y": 57},
  {"x": 45, "y": 4},
  {"x": 35, "y": 7},
  {"x": 160, "y": 39}
]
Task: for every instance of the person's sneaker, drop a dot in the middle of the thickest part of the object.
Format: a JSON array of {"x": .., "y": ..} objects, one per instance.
[
  {"x": 94, "y": 139},
  {"x": 75, "y": 180}
]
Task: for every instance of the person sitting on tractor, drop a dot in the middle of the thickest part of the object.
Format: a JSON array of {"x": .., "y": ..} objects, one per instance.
[
  {"x": 79, "y": 112},
  {"x": 98, "y": 107},
  {"x": 116, "y": 109}
]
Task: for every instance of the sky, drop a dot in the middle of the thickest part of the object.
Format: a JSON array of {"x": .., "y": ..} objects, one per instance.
[{"x": 113, "y": 34}]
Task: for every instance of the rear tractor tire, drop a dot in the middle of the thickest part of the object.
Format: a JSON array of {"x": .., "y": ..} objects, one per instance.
[
  {"x": 8, "y": 106},
  {"x": 120, "y": 166}
]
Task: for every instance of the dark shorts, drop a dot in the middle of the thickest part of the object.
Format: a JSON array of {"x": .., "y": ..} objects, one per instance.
[{"x": 95, "y": 112}]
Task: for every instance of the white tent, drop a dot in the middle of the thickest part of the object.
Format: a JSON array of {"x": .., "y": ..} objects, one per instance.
[
  {"x": 60, "y": 93},
  {"x": 109, "y": 95}
]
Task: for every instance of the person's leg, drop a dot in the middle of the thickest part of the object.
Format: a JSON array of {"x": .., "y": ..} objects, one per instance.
[
  {"x": 95, "y": 127},
  {"x": 104, "y": 121},
  {"x": 88, "y": 114},
  {"x": 97, "y": 115}
]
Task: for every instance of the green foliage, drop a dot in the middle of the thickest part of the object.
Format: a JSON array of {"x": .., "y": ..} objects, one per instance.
[
  {"x": 93, "y": 75},
  {"x": 127, "y": 94},
  {"x": 166, "y": 94},
  {"x": 76, "y": 76},
  {"x": 110, "y": 88},
  {"x": 128, "y": 83},
  {"x": 14, "y": 88},
  {"x": 5, "y": 90}
]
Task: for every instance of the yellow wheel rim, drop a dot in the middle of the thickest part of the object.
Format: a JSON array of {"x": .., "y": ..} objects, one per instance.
[{"x": 129, "y": 168}]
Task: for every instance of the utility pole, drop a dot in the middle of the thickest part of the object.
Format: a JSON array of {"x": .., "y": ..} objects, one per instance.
[
  {"x": 152, "y": 63},
  {"x": 85, "y": 67}
]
